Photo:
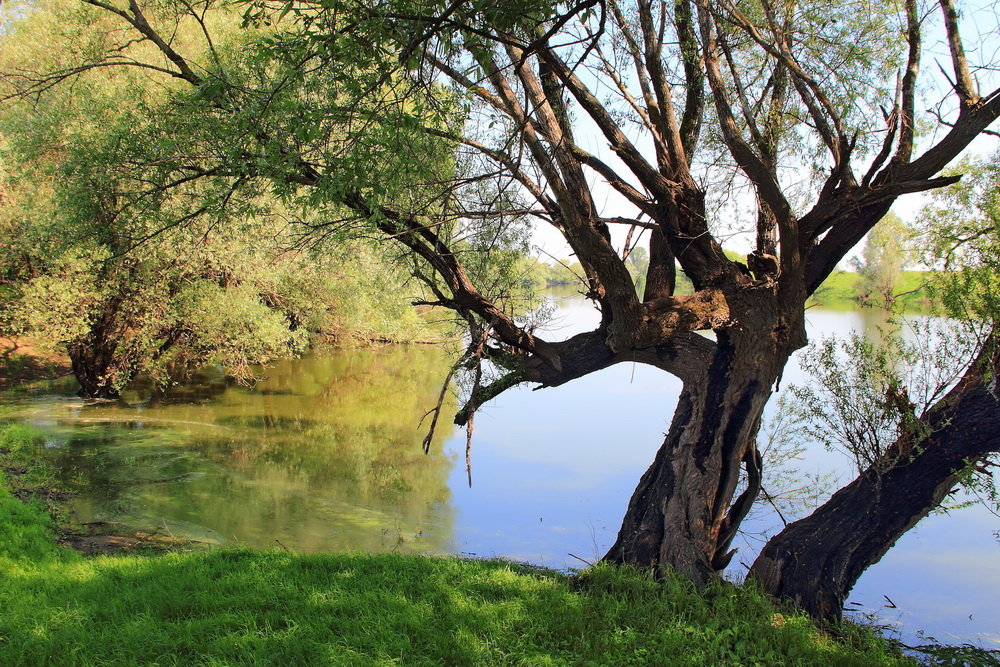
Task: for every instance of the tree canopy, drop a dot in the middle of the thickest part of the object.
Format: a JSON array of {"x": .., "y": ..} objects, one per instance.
[{"x": 130, "y": 278}]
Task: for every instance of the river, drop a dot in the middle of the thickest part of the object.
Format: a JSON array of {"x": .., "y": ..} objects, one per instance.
[{"x": 326, "y": 454}]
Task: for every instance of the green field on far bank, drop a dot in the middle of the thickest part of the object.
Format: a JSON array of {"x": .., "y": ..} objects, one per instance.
[
  {"x": 841, "y": 291},
  {"x": 237, "y": 606}
]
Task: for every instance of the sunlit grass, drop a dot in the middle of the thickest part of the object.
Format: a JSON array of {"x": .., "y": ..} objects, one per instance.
[{"x": 238, "y": 606}]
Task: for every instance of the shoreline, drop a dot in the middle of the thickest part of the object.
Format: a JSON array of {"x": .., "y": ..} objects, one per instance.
[
  {"x": 128, "y": 599},
  {"x": 23, "y": 363}
]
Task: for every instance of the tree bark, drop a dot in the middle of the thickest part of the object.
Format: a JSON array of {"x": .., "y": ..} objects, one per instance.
[
  {"x": 682, "y": 515},
  {"x": 661, "y": 275},
  {"x": 815, "y": 562},
  {"x": 91, "y": 366},
  {"x": 93, "y": 357}
]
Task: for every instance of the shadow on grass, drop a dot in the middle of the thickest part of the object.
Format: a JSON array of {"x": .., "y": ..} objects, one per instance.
[
  {"x": 17, "y": 368},
  {"x": 234, "y": 605},
  {"x": 239, "y": 606}
]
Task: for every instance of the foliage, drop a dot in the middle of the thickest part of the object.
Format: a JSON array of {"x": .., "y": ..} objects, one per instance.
[
  {"x": 871, "y": 409},
  {"x": 960, "y": 237},
  {"x": 99, "y": 264},
  {"x": 786, "y": 489},
  {"x": 882, "y": 261}
]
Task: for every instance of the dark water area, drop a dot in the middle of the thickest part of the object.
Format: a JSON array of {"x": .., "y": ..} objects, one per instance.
[{"x": 326, "y": 454}]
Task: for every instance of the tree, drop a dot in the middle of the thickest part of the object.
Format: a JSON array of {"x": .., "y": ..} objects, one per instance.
[
  {"x": 825, "y": 91},
  {"x": 123, "y": 291},
  {"x": 882, "y": 260}
]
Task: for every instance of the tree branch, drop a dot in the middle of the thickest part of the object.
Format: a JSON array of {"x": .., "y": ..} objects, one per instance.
[
  {"x": 964, "y": 84},
  {"x": 138, "y": 21}
]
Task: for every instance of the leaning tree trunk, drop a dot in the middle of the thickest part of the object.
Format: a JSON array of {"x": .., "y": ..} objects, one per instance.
[
  {"x": 682, "y": 515},
  {"x": 815, "y": 562}
]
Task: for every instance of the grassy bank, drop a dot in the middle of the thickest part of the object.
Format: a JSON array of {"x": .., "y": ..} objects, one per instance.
[
  {"x": 235, "y": 606},
  {"x": 20, "y": 362},
  {"x": 841, "y": 289}
]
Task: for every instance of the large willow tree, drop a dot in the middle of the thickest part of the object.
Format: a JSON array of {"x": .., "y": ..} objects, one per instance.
[{"x": 583, "y": 116}]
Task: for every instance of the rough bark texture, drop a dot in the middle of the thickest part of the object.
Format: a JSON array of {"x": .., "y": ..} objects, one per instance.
[
  {"x": 815, "y": 562},
  {"x": 682, "y": 514},
  {"x": 90, "y": 368},
  {"x": 92, "y": 357}
]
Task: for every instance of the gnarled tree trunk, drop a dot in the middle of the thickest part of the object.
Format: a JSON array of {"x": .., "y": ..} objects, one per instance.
[
  {"x": 92, "y": 356},
  {"x": 90, "y": 368},
  {"x": 683, "y": 514}
]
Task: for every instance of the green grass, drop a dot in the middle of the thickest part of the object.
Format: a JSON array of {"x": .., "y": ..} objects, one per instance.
[{"x": 236, "y": 606}]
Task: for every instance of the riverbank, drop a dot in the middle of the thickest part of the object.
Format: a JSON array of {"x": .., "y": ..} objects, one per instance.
[
  {"x": 238, "y": 605},
  {"x": 22, "y": 362}
]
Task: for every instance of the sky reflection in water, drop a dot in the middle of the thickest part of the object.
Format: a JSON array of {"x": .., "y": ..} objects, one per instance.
[{"x": 553, "y": 471}]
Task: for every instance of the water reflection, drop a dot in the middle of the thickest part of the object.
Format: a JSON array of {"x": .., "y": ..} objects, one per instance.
[
  {"x": 324, "y": 454},
  {"x": 555, "y": 469}
]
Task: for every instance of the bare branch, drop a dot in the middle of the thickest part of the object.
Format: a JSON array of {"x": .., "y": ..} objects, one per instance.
[
  {"x": 37, "y": 86},
  {"x": 425, "y": 243},
  {"x": 752, "y": 165},
  {"x": 694, "y": 78},
  {"x": 672, "y": 152},
  {"x": 620, "y": 144},
  {"x": 908, "y": 93},
  {"x": 964, "y": 85},
  {"x": 821, "y": 110}
]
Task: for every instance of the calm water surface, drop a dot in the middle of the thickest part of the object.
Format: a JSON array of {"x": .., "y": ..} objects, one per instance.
[{"x": 326, "y": 454}]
